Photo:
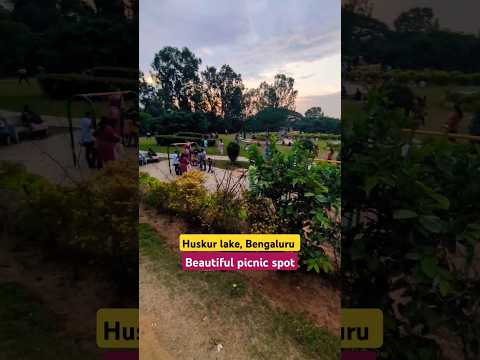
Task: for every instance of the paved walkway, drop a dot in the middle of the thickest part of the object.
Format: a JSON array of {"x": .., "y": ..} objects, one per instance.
[
  {"x": 214, "y": 157},
  {"x": 213, "y": 181},
  {"x": 50, "y": 157}
]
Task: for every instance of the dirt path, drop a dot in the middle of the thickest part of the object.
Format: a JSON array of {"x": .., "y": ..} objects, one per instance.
[
  {"x": 54, "y": 287},
  {"x": 178, "y": 328},
  {"x": 320, "y": 301}
]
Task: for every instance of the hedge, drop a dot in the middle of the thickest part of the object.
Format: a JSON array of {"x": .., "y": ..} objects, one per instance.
[
  {"x": 431, "y": 77},
  {"x": 193, "y": 134},
  {"x": 164, "y": 140},
  {"x": 62, "y": 86}
]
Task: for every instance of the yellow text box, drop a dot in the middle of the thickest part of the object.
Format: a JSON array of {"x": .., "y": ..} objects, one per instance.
[
  {"x": 117, "y": 328},
  {"x": 240, "y": 242},
  {"x": 362, "y": 328}
]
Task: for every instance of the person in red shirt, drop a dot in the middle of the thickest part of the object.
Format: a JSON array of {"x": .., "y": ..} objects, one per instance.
[{"x": 184, "y": 163}]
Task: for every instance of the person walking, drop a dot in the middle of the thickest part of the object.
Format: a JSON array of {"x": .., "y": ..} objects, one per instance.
[
  {"x": 202, "y": 157},
  {"x": 87, "y": 140},
  {"x": 210, "y": 164},
  {"x": 176, "y": 163},
  {"x": 23, "y": 76},
  {"x": 221, "y": 147},
  {"x": 106, "y": 138},
  {"x": 184, "y": 163}
]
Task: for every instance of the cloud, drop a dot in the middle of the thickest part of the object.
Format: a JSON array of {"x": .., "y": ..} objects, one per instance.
[{"x": 258, "y": 38}]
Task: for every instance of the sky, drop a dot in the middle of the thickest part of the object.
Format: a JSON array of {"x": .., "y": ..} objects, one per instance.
[
  {"x": 458, "y": 15},
  {"x": 257, "y": 38}
]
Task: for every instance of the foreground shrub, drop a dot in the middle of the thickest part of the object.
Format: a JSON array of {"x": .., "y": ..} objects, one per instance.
[
  {"x": 304, "y": 198},
  {"x": 95, "y": 219},
  {"x": 411, "y": 224}
]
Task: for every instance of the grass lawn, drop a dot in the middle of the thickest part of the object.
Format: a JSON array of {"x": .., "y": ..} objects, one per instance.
[
  {"x": 14, "y": 97},
  {"x": 237, "y": 307},
  {"x": 146, "y": 143},
  {"x": 437, "y": 108},
  {"x": 227, "y": 165},
  {"x": 27, "y": 329}
]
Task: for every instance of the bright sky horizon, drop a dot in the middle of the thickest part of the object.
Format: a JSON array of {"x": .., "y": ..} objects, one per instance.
[{"x": 257, "y": 38}]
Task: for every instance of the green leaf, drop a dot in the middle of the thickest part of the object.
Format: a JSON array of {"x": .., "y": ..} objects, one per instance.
[
  {"x": 370, "y": 183},
  {"x": 404, "y": 214},
  {"x": 429, "y": 267},
  {"x": 444, "y": 287},
  {"x": 432, "y": 223}
]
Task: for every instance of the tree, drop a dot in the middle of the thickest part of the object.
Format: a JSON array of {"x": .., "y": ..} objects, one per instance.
[
  {"x": 17, "y": 46},
  {"x": 416, "y": 20},
  {"x": 211, "y": 91},
  {"x": 280, "y": 94},
  {"x": 314, "y": 112},
  {"x": 361, "y": 7},
  {"x": 176, "y": 71},
  {"x": 38, "y": 15},
  {"x": 250, "y": 102},
  {"x": 111, "y": 7},
  {"x": 272, "y": 119},
  {"x": 230, "y": 88}
]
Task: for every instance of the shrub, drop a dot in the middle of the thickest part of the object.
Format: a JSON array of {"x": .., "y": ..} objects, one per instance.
[
  {"x": 233, "y": 150},
  {"x": 302, "y": 196},
  {"x": 94, "y": 219}
]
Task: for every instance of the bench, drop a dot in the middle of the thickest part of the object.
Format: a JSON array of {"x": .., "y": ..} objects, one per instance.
[{"x": 15, "y": 130}]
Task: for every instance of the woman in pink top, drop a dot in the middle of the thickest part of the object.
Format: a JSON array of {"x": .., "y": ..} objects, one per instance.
[
  {"x": 184, "y": 163},
  {"x": 106, "y": 138}
]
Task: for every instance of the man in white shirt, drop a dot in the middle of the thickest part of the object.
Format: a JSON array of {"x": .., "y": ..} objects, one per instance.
[{"x": 86, "y": 126}]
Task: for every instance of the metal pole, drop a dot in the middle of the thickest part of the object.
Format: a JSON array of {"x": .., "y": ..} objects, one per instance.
[
  {"x": 168, "y": 155},
  {"x": 70, "y": 128}
]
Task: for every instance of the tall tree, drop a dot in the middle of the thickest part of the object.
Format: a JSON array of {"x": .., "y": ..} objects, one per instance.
[
  {"x": 38, "y": 15},
  {"x": 314, "y": 112},
  {"x": 211, "y": 91},
  {"x": 360, "y": 7},
  {"x": 230, "y": 87},
  {"x": 280, "y": 94},
  {"x": 176, "y": 72},
  {"x": 418, "y": 19},
  {"x": 250, "y": 102}
]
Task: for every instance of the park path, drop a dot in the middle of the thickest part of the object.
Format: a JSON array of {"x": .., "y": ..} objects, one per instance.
[
  {"x": 214, "y": 157},
  {"x": 50, "y": 157},
  {"x": 212, "y": 180}
]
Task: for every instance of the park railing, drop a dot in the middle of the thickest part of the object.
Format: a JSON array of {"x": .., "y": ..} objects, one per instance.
[
  {"x": 336, "y": 162},
  {"x": 442, "y": 134}
]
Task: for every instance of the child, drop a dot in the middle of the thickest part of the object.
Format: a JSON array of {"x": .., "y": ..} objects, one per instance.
[
  {"x": 194, "y": 157},
  {"x": 210, "y": 163}
]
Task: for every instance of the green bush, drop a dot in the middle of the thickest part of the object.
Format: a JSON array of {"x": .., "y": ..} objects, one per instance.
[
  {"x": 95, "y": 219},
  {"x": 233, "y": 150},
  {"x": 62, "y": 86},
  {"x": 303, "y": 198}
]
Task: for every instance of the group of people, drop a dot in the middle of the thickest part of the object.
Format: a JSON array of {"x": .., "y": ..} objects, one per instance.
[
  {"x": 33, "y": 121},
  {"x": 103, "y": 142},
  {"x": 191, "y": 157}
]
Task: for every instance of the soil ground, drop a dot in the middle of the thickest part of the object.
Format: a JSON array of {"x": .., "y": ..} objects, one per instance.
[{"x": 229, "y": 315}]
